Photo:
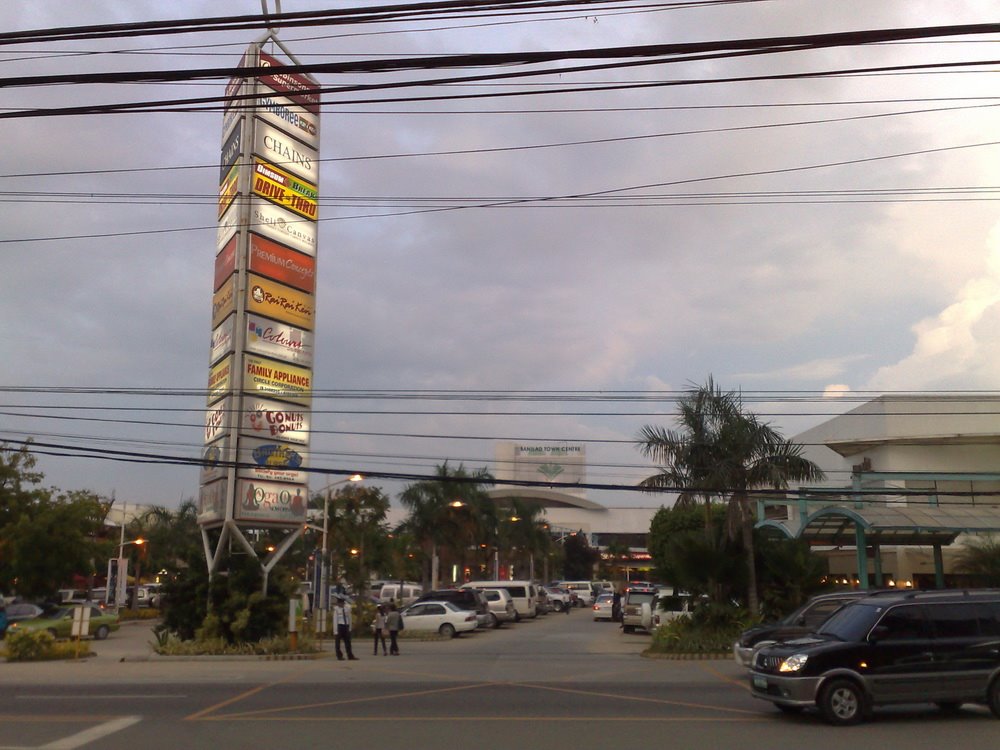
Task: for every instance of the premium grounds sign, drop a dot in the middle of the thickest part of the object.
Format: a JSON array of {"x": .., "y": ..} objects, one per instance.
[{"x": 260, "y": 381}]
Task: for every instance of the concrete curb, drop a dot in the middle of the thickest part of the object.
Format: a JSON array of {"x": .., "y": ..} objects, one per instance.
[{"x": 697, "y": 656}]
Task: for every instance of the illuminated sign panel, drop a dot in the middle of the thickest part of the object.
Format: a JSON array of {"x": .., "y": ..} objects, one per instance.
[
  {"x": 228, "y": 190},
  {"x": 271, "y": 461},
  {"x": 228, "y": 225},
  {"x": 212, "y": 502},
  {"x": 219, "y": 379},
  {"x": 280, "y": 302},
  {"x": 279, "y": 340},
  {"x": 222, "y": 339},
  {"x": 283, "y": 226},
  {"x": 215, "y": 460},
  {"x": 230, "y": 151},
  {"x": 218, "y": 420},
  {"x": 224, "y": 301},
  {"x": 285, "y": 152},
  {"x": 284, "y": 188},
  {"x": 225, "y": 263},
  {"x": 277, "y": 379},
  {"x": 270, "y": 502},
  {"x": 276, "y": 261},
  {"x": 285, "y": 115},
  {"x": 297, "y": 87},
  {"x": 270, "y": 420}
]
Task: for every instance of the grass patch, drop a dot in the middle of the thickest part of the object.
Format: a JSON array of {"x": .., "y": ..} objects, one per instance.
[{"x": 170, "y": 645}]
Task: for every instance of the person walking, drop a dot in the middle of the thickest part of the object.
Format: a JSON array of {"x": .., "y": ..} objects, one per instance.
[
  {"x": 394, "y": 622},
  {"x": 380, "y": 628},
  {"x": 342, "y": 628}
]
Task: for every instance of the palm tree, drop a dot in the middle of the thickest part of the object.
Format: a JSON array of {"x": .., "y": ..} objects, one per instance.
[
  {"x": 522, "y": 527},
  {"x": 981, "y": 558},
  {"x": 447, "y": 511},
  {"x": 688, "y": 456},
  {"x": 728, "y": 455}
]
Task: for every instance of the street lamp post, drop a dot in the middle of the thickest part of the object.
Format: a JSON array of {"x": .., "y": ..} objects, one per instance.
[{"x": 322, "y": 587}]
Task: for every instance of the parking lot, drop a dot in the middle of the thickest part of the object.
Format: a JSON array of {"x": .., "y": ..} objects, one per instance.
[{"x": 559, "y": 681}]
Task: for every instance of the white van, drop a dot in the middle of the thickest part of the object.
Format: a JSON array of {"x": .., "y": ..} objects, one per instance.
[
  {"x": 583, "y": 590},
  {"x": 402, "y": 594},
  {"x": 523, "y": 593}
]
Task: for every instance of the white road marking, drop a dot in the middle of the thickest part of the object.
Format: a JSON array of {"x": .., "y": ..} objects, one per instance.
[
  {"x": 105, "y": 696},
  {"x": 93, "y": 734}
]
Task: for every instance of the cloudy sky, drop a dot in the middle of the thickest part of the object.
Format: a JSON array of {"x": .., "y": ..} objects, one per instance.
[{"x": 813, "y": 242}]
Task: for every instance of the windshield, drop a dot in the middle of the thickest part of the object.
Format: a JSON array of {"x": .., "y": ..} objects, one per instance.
[
  {"x": 852, "y": 622},
  {"x": 640, "y": 597}
]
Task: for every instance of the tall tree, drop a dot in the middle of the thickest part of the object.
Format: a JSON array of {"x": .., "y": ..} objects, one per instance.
[
  {"x": 443, "y": 512},
  {"x": 731, "y": 454}
]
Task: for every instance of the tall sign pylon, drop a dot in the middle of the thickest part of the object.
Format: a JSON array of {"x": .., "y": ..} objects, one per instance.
[{"x": 263, "y": 307}]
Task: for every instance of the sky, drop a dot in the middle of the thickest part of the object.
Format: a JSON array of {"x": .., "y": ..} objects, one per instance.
[{"x": 811, "y": 242}]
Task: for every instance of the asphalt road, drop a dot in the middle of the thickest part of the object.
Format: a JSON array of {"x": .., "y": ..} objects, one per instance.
[{"x": 562, "y": 681}]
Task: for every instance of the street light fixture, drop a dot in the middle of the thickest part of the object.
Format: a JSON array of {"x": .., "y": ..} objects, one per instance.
[{"x": 322, "y": 587}]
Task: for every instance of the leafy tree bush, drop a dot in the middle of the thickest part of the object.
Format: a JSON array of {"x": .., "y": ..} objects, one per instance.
[
  {"x": 30, "y": 645},
  {"x": 981, "y": 559},
  {"x": 789, "y": 572}
]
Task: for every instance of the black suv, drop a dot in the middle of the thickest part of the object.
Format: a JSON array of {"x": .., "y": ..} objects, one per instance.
[
  {"x": 802, "y": 621},
  {"x": 938, "y": 647},
  {"x": 470, "y": 599}
]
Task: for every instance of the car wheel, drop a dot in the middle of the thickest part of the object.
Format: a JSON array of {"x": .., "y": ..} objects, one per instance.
[
  {"x": 993, "y": 697},
  {"x": 102, "y": 632},
  {"x": 842, "y": 703},
  {"x": 447, "y": 630},
  {"x": 517, "y": 617},
  {"x": 557, "y": 606},
  {"x": 494, "y": 621}
]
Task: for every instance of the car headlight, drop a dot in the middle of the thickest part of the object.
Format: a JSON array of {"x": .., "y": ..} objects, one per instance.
[{"x": 793, "y": 663}]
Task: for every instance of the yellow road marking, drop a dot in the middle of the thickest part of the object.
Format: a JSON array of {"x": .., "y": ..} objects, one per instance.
[
  {"x": 517, "y": 718},
  {"x": 348, "y": 701},
  {"x": 640, "y": 699}
]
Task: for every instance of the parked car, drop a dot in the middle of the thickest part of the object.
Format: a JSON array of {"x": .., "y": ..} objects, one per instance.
[
  {"x": 637, "y": 607},
  {"x": 469, "y": 599},
  {"x": 401, "y": 594},
  {"x": 603, "y": 607},
  {"x": 910, "y": 647},
  {"x": 559, "y": 598},
  {"x": 583, "y": 590},
  {"x": 23, "y": 611},
  {"x": 803, "y": 620},
  {"x": 60, "y": 623},
  {"x": 522, "y": 592},
  {"x": 542, "y": 604},
  {"x": 445, "y": 618},
  {"x": 501, "y": 606},
  {"x": 147, "y": 594},
  {"x": 666, "y": 607}
]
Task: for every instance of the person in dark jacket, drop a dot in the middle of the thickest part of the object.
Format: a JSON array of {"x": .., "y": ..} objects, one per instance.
[{"x": 394, "y": 622}]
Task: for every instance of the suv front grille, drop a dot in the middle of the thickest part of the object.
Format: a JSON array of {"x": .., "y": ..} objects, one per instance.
[{"x": 766, "y": 663}]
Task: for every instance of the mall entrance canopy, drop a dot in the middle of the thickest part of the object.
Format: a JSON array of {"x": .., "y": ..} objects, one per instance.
[{"x": 871, "y": 521}]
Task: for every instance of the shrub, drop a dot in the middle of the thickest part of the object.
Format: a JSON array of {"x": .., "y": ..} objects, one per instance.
[
  {"x": 138, "y": 614},
  {"x": 712, "y": 628},
  {"x": 29, "y": 645},
  {"x": 39, "y": 645}
]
